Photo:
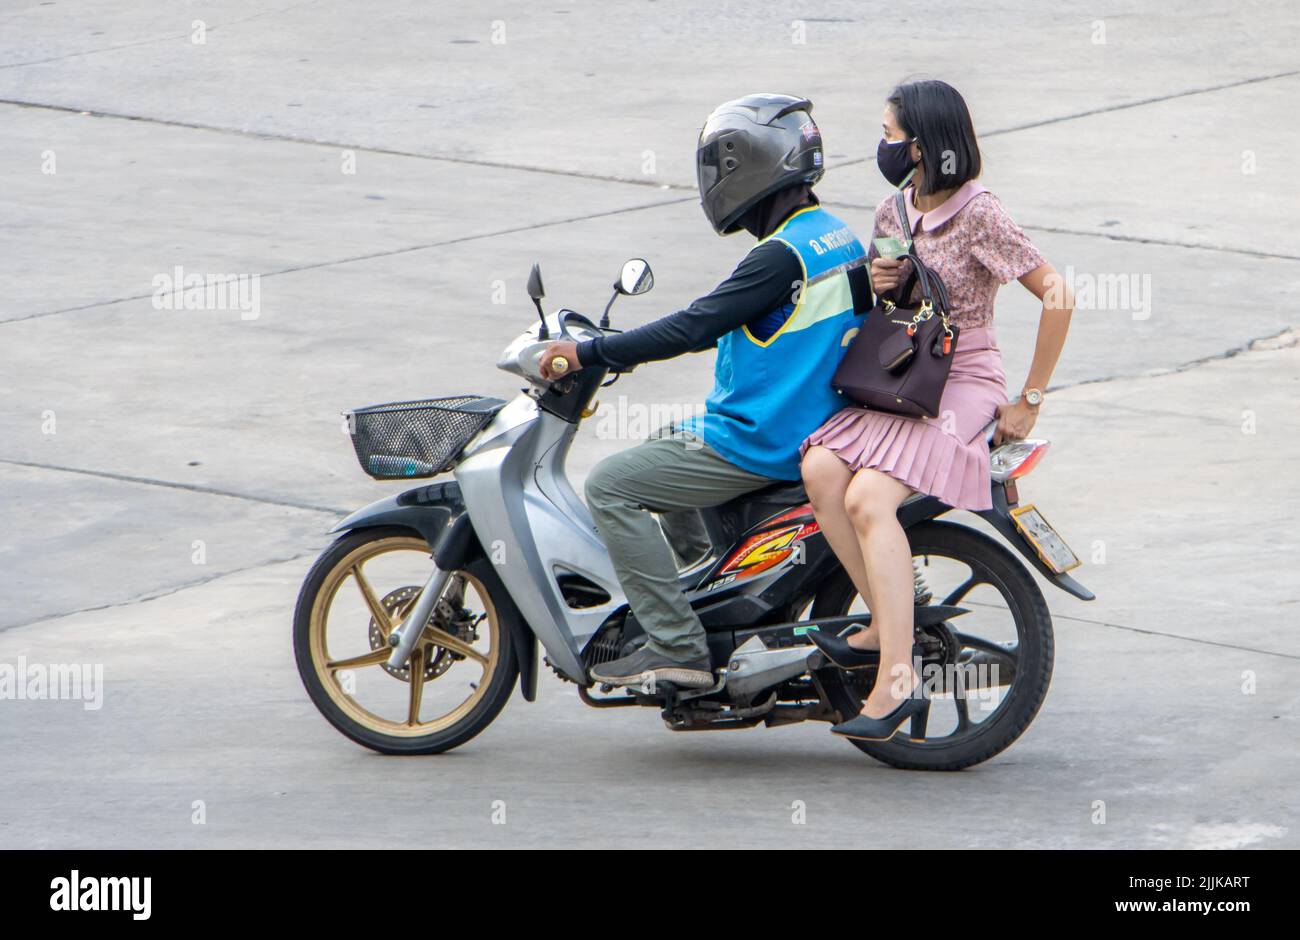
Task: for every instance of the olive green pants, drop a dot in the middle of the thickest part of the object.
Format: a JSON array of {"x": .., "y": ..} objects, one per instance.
[{"x": 674, "y": 474}]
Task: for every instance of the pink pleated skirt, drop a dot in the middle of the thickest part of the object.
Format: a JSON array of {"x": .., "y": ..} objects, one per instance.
[{"x": 945, "y": 456}]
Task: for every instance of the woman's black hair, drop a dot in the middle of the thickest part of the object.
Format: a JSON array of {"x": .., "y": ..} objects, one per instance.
[{"x": 935, "y": 114}]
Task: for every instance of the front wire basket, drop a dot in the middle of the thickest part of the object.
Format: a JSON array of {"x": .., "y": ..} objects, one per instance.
[{"x": 407, "y": 440}]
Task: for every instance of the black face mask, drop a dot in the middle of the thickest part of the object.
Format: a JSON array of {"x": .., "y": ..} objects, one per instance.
[{"x": 895, "y": 160}]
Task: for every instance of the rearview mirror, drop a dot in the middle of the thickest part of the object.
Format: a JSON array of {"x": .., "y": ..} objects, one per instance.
[
  {"x": 535, "y": 290},
  {"x": 536, "y": 293},
  {"x": 636, "y": 278}
]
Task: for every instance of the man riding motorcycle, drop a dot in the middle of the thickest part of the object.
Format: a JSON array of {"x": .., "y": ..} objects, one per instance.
[{"x": 779, "y": 322}]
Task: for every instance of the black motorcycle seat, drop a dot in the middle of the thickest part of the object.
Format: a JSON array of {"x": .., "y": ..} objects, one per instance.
[
  {"x": 785, "y": 493},
  {"x": 780, "y": 493}
]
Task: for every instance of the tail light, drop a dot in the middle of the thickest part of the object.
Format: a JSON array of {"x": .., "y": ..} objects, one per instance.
[{"x": 1015, "y": 459}]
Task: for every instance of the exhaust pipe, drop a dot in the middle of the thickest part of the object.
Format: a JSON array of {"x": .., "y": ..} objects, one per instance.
[{"x": 754, "y": 668}]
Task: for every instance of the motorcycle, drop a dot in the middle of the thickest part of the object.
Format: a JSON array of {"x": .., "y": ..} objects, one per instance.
[{"x": 456, "y": 582}]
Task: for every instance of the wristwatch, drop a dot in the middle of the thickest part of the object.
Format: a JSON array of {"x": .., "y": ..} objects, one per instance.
[{"x": 1033, "y": 397}]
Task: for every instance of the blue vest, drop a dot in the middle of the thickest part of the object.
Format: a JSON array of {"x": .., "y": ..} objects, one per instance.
[{"x": 770, "y": 394}]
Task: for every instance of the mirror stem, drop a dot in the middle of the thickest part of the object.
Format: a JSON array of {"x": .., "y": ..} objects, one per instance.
[
  {"x": 544, "y": 332},
  {"x": 604, "y": 319}
]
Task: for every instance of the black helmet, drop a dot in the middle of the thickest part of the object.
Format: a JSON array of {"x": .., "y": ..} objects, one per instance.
[{"x": 752, "y": 147}]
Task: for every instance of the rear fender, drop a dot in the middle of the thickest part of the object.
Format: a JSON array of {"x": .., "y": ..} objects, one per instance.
[
  {"x": 1000, "y": 518},
  {"x": 922, "y": 508}
]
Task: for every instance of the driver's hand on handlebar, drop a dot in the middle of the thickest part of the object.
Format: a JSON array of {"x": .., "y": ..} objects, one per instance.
[{"x": 563, "y": 349}]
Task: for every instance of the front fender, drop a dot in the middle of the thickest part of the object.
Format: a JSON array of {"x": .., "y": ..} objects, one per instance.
[
  {"x": 429, "y": 510},
  {"x": 437, "y": 512}
]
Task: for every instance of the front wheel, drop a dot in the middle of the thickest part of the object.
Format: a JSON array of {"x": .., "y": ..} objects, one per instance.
[
  {"x": 988, "y": 670},
  {"x": 463, "y": 667}
]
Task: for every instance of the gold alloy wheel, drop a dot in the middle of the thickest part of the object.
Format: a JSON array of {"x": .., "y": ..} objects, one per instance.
[{"x": 435, "y": 643}]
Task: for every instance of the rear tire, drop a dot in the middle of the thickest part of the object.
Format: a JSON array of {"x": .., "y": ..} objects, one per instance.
[{"x": 993, "y": 562}]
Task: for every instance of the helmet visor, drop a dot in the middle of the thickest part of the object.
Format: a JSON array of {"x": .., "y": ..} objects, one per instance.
[{"x": 707, "y": 169}]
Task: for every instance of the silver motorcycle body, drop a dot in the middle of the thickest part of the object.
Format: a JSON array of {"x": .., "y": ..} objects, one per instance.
[{"x": 531, "y": 522}]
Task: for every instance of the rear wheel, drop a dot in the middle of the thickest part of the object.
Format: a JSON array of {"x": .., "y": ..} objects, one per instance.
[
  {"x": 988, "y": 670},
  {"x": 463, "y": 667}
]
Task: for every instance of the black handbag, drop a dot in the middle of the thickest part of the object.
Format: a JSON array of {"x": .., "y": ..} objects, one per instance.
[{"x": 900, "y": 359}]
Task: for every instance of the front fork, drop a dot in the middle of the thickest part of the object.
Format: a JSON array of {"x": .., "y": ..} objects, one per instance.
[{"x": 407, "y": 633}]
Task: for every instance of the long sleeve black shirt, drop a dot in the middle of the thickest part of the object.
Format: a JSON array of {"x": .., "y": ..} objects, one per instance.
[{"x": 764, "y": 281}]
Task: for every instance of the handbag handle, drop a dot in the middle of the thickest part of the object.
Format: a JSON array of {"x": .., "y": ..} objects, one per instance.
[
  {"x": 919, "y": 270},
  {"x": 904, "y": 290},
  {"x": 934, "y": 293}
]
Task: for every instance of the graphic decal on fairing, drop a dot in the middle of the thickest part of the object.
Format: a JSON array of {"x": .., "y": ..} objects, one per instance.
[{"x": 764, "y": 550}]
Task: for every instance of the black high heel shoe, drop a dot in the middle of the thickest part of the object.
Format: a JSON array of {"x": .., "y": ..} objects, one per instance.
[
  {"x": 862, "y": 728},
  {"x": 839, "y": 652},
  {"x": 845, "y": 656}
]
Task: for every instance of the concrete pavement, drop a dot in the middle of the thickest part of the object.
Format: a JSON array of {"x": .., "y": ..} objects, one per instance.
[{"x": 167, "y": 475}]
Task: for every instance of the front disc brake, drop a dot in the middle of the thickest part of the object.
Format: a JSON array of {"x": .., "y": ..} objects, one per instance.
[{"x": 397, "y": 603}]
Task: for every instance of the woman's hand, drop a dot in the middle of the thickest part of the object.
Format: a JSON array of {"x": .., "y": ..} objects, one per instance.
[
  {"x": 565, "y": 349},
  {"x": 886, "y": 274},
  {"x": 1015, "y": 421}
]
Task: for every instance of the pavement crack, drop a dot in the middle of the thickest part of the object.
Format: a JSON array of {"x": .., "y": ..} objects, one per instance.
[
  {"x": 577, "y": 174},
  {"x": 1141, "y": 102},
  {"x": 158, "y": 593},
  {"x": 1111, "y": 236},
  {"x": 376, "y": 254},
  {"x": 1176, "y": 636},
  {"x": 1122, "y": 106},
  {"x": 340, "y": 145},
  {"x": 1280, "y": 340},
  {"x": 171, "y": 484},
  {"x": 150, "y": 42},
  {"x": 1165, "y": 242}
]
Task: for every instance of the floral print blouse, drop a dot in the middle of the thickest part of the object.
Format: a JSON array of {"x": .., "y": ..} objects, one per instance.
[{"x": 971, "y": 242}]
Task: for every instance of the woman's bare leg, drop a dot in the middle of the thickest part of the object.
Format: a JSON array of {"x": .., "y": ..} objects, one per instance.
[
  {"x": 871, "y": 500},
  {"x": 826, "y": 477}
]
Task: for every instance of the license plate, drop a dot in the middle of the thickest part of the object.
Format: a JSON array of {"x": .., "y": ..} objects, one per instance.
[{"x": 1050, "y": 546}]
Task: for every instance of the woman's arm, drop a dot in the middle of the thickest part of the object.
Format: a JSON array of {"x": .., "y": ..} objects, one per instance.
[{"x": 1016, "y": 420}]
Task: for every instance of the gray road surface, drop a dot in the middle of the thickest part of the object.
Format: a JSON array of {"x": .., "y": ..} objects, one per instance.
[{"x": 1155, "y": 144}]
